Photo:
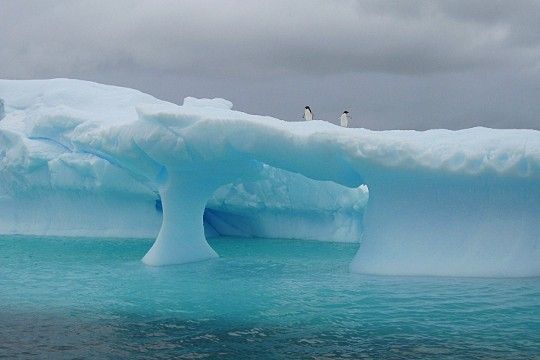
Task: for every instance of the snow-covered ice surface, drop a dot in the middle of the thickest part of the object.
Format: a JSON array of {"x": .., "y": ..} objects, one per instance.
[{"x": 80, "y": 158}]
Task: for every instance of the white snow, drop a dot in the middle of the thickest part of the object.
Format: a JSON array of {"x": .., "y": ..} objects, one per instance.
[
  {"x": 213, "y": 103},
  {"x": 440, "y": 202}
]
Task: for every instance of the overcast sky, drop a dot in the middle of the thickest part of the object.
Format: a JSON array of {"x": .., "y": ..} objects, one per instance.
[{"x": 392, "y": 64}]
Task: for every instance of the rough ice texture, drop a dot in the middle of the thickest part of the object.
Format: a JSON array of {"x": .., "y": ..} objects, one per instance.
[{"x": 75, "y": 154}]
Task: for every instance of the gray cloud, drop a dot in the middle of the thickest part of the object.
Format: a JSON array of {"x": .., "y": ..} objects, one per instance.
[
  {"x": 418, "y": 57},
  {"x": 260, "y": 38}
]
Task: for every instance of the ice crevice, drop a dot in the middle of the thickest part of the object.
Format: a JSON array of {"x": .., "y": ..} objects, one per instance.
[{"x": 462, "y": 203}]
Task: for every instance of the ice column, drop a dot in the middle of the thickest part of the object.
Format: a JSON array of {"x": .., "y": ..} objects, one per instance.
[
  {"x": 184, "y": 195},
  {"x": 419, "y": 224},
  {"x": 181, "y": 238}
]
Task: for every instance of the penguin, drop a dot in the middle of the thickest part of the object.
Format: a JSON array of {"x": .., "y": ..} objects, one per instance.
[
  {"x": 308, "y": 115},
  {"x": 345, "y": 118}
]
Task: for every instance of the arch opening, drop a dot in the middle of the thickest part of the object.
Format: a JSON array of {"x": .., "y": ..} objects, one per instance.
[{"x": 274, "y": 204}]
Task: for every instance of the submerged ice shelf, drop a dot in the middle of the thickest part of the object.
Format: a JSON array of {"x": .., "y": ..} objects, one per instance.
[{"x": 80, "y": 158}]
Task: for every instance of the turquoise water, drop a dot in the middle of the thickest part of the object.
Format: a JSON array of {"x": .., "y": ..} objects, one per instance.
[{"x": 93, "y": 298}]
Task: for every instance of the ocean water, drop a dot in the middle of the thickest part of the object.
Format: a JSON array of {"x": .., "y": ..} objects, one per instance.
[{"x": 278, "y": 299}]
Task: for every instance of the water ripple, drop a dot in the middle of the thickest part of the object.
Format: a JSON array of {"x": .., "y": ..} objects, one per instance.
[{"x": 94, "y": 299}]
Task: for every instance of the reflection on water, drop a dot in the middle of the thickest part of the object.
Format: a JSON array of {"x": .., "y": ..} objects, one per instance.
[{"x": 88, "y": 298}]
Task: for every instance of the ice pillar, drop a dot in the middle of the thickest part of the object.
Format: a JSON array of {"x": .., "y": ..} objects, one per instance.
[
  {"x": 431, "y": 224},
  {"x": 181, "y": 238}
]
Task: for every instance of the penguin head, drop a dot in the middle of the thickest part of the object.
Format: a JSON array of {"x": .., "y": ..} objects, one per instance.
[
  {"x": 345, "y": 112},
  {"x": 308, "y": 108}
]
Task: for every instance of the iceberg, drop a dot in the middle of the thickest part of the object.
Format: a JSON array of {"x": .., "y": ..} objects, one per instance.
[{"x": 84, "y": 159}]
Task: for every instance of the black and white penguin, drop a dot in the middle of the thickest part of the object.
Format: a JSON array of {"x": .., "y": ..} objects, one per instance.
[
  {"x": 345, "y": 118},
  {"x": 308, "y": 115}
]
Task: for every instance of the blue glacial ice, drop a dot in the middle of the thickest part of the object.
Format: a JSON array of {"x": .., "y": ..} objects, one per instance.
[
  {"x": 84, "y": 159},
  {"x": 281, "y": 204}
]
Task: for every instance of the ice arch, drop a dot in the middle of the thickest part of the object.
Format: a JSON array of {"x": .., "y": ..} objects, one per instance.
[
  {"x": 208, "y": 165},
  {"x": 441, "y": 202}
]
